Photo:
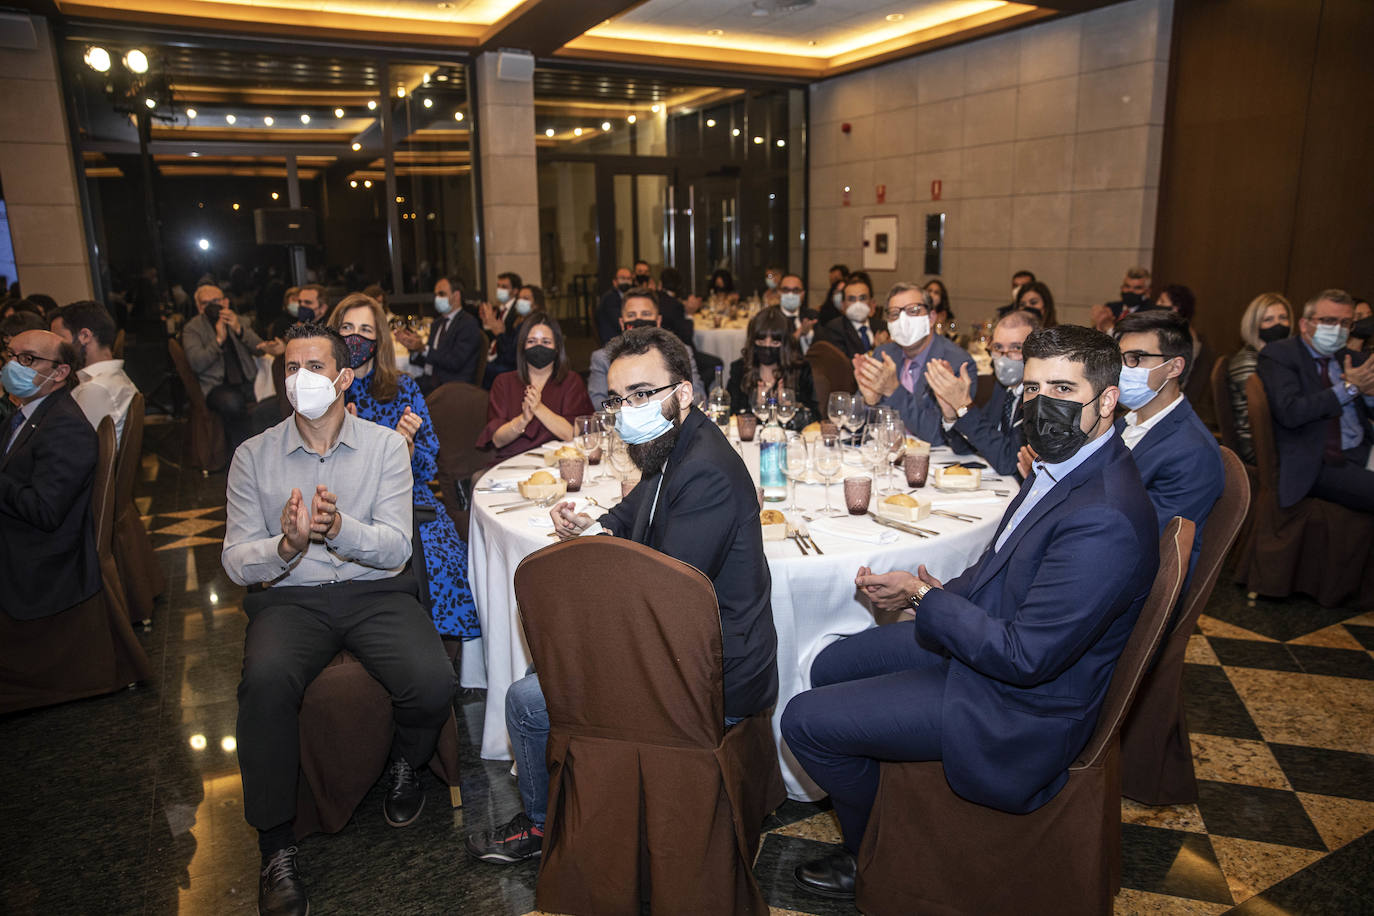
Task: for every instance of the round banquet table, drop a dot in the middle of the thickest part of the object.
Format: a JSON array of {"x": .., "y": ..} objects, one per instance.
[
  {"x": 724, "y": 343},
  {"x": 814, "y": 601}
]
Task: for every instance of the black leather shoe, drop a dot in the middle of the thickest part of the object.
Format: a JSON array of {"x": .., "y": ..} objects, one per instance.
[
  {"x": 830, "y": 876},
  {"x": 405, "y": 799},
  {"x": 281, "y": 892}
]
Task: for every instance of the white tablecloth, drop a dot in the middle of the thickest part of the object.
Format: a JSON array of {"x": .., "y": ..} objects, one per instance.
[
  {"x": 814, "y": 600},
  {"x": 724, "y": 343}
]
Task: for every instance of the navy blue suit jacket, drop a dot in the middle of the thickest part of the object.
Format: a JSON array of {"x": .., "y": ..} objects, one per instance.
[
  {"x": 1302, "y": 405},
  {"x": 461, "y": 340},
  {"x": 1033, "y": 632},
  {"x": 707, "y": 516},
  {"x": 1180, "y": 464},
  {"x": 984, "y": 430},
  {"x": 918, "y": 407}
]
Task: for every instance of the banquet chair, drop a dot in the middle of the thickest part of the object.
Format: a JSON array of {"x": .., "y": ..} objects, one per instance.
[
  {"x": 1156, "y": 756},
  {"x": 90, "y": 648},
  {"x": 649, "y": 796},
  {"x": 987, "y": 384},
  {"x": 1316, "y": 547},
  {"x": 206, "y": 447},
  {"x": 345, "y": 737},
  {"x": 927, "y": 850},
  {"x": 279, "y": 384},
  {"x": 117, "y": 351},
  {"x": 830, "y": 371},
  {"x": 139, "y": 569},
  {"x": 458, "y": 411},
  {"x": 1221, "y": 394}
]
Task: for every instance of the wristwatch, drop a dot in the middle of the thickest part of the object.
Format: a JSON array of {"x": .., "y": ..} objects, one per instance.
[
  {"x": 959, "y": 413},
  {"x": 921, "y": 591}
]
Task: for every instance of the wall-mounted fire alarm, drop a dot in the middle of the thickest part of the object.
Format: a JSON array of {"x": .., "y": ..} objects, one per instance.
[{"x": 845, "y": 127}]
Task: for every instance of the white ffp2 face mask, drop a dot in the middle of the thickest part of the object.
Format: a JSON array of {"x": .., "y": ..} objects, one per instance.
[
  {"x": 908, "y": 330},
  {"x": 310, "y": 393}
]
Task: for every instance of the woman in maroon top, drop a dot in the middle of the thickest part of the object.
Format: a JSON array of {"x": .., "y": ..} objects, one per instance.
[{"x": 539, "y": 400}]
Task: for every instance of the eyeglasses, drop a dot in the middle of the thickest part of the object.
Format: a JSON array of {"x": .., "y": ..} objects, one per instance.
[
  {"x": 1013, "y": 350},
  {"x": 789, "y": 289},
  {"x": 1330, "y": 322},
  {"x": 634, "y": 398},
  {"x": 25, "y": 359},
  {"x": 1131, "y": 358},
  {"x": 915, "y": 311}
]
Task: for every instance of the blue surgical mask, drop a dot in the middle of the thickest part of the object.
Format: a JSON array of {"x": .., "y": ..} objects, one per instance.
[
  {"x": 502, "y": 295},
  {"x": 20, "y": 381},
  {"x": 524, "y": 306},
  {"x": 441, "y": 305},
  {"x": 790, "y": 302},
  {"x": 1328, "y": 338},
  {"x": 644, "y": 423},
  {"x": 1135, "y": 387}
]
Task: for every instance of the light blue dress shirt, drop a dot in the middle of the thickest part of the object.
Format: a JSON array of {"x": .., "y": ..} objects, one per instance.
[
  {"x": 1352, "y": 430},
  {"x": 1047, "y": 477}
]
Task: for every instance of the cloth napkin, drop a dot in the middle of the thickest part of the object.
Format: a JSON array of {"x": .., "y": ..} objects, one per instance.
[
  {"x": 946, "y": 500},
  {"x": 541, "y": 520},
  {"x": 855, "y": 528}
]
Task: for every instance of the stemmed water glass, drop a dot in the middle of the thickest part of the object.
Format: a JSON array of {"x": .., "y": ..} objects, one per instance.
[
  {"x": 892, "y": 434},
  {"x": 619, "y": 455},
  {"x": 587, "y": 437},
  {"x": 826, "y": 458},
  {"x": 873, "y": 448},
  {"x": 794, "y": 467},
  {"x": 838, "y": 407},
  {"x": 786, "y": 405},
  {"x": 856, "y": 419},
  {"x": 761, "y": 402}
]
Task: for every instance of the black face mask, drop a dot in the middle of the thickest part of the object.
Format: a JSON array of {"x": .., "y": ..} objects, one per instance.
[
  {"x": 1279, "y": 332},
  {"x": 540, "y": 357},
  {"x": 1360, "y": 330},
  {"x": 640, "y": 323},
  {"x": 767, "y": 356},
  {"x": 1133, "y": 300},
  {"x": 642, "y": 279},
  {"x": 1052, "y": 427},
  {"x": 623, "y": 285}
]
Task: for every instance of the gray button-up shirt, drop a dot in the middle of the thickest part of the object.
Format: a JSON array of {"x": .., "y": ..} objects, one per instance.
[{"x": 368, "y": 468}]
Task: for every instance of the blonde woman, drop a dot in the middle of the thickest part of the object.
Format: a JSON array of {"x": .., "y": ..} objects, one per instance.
[
  {"x": 387, "y": 397},
  {"x": 1268, "y": 317}
]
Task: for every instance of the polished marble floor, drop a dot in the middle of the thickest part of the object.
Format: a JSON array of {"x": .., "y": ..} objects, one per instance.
[{"x": 131, "y": 803}]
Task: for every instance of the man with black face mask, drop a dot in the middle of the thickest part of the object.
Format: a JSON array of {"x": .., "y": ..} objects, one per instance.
[
  {"x": 696, "y": 503},
  {"x": 608, "y": 309},
  {"x": 1003, "y": 671},
  {"x": 1135, "y": 297},
  {"x": 639, "y": 311}
]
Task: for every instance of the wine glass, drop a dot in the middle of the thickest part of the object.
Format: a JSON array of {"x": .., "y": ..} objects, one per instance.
[
  {"x": 826, "y": 457},
  {"x": 894, "y": 437},
  {"x": 761, "y": 403},
  {"x": 786, "y": 406},
  {"x": 873, "y": 447},
  {"x": 838, "y": 406},
  {"x": 619, "y": 456},
  {"x": 795, "y": 463},
  {"x": 856, "y": 419},
  {"x": 587, "y": 437}
]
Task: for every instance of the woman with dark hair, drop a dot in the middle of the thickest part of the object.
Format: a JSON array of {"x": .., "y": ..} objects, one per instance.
[
  {"x": 537, "y": 402},
  {"x": 722, "y": 283},
  {"x": 772, "y": 360},
  {"x": 1198, "y": 387},
  {"x": 387, "y": 397},
  {"x": 1036, "y": 297},
  {"x": 941, "y": 312}
]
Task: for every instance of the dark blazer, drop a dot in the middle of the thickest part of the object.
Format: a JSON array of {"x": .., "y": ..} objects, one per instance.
[
  {"x": 708, "y": 517},
  {"x": 1180, "y": 464},
  {"x": 841, "y": 333},
  {"x": 805, "y": 392},
  {"x": 454, "y": 356},
  {"x": 918, "y": 407},
  {"x": 984, "y": 430},
  {"x": 47, "y": 542},
  {"x": 675, "y": 319},
  {"x": 1302, "y": 405},
  {"x": 608, "y": 315},
  {"x": 1033, "y": 632}
]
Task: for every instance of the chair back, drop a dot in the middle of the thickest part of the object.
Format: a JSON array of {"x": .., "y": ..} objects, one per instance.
[
  {"x": 645, "y": 666},
  {"x": 103, "y": 487},
  {"x": 130, "y": 453},
  {"x": 188, "y": 378},
  {"x": 458, "y": 411},
  {"x": 1223, "y": 526},
  {"x": 479, "y": 371},
  {"x": 830, "y": 371},
  {"x": 117, "y": 351},
  {"x": 1221, "y": 395},
  {"x": 1175, "y": 548},
  {"x": 1262, "y": 439}
]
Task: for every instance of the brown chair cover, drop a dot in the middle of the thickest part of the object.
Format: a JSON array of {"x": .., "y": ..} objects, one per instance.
[
  {"x": 345, "y": 733},
  {"x": 1315, "y": 547},
  {"x": 88, "y": 649},
  {"x": 929, "y": 851},
  {"x": 206, "y": 447},
  {"x": 830, "y": 371},
  {"x": 1156, "y": 757},
  {"x": 117, "y": 351},
  {"x": 1221, "y": 397},
  {"x": 139, "y": 569},
  {"x": 648, "y": 797},
  {"x": 987, "y": 384},
  {"x": 458, "y": 411},
  {"x": 279, "y": 384}
]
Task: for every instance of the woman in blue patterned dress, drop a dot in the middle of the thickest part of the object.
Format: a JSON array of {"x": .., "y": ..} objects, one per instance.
[{"x": 389, "y": 398}]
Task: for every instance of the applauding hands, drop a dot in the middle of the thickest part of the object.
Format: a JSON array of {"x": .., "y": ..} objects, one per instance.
[{"x": 300, "y": 525}]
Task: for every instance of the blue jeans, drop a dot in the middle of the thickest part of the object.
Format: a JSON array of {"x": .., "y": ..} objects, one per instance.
[{"x": 527, "y": 723}]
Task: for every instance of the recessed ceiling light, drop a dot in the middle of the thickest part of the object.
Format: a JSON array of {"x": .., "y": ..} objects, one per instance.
[
  {"x": 548, "y": 131},
  {"x": 846, "y": 189},
  {"x": 276, "y": 196},
  {"x": 400, "y": 92},
  {"x": 269, "y": 120},
  {"x": 577, "y": 131},
  {"x": 400, "y": 199},
  {"x": 630, "y": 120},
  {"x": 136, "y": 61},
  {"x": 781, "y": 143},
  {"x": 236, "y": 206},
  {"x": 357, "y": 146},
  {"x": 710, "y": 122},
  {"x": 715, "y": 33},
  {"x": 151, "y": 103},
  {"x": 191, "y": 114},
  {"x": 895, "y": 17},
  {"x": 429, "y": 103},
  {"x": 98, "y": 59},
  {"x": 425, "y": 78},
  {"x": 606, "y": 125},
  {"x": 305, "y": 119},
  {"x": 229, "y": 119},
  {"x": 338, "y": 112},
  {"x": 735, "y": 132},
  {"x": 367, "y": 184},
  {"x": 354, "y": 184},
  {"x": 758, "y": 140},
  {"x": 457, "y": 116},
  {"x": 371, "y": 104},
  {"x": 656, "y": 109}
]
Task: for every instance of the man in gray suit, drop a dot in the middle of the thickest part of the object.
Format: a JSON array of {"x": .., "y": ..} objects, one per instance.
[
  {"x": 639, "y": 310},
  {"x": 220, "y": 350}
]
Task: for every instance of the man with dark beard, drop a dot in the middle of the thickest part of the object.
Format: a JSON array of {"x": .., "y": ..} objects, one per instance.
[{"x": 696, "y": 503}]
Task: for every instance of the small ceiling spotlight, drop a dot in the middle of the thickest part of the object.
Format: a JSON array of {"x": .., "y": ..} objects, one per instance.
[
  {"x": 136, "y": 61},
  {"x": 97, "y": 58}
]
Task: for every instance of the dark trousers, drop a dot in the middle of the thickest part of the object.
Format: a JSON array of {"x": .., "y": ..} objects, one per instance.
[
  {"x": 293, "y": 632},
  {"x": 231, "y": 403},
  {"x": 875, "y": 696},
  {"x": 1349, "y": 484}
]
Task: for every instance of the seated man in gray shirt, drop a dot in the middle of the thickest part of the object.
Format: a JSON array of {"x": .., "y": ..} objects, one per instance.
[
  {"x": 639, "y": 310},
  {"x": 320, "y": 516}
]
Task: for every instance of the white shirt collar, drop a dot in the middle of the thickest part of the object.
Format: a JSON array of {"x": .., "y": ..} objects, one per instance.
[
  {"x": 1136, "y": 430},
  {"x": 104, "y": 367}
]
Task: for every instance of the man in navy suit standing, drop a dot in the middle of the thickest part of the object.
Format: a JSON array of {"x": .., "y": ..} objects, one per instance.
[
  {"x": 1177, "y": 455},
  {"x": 1003, "y": 671},
  {"x": 894, "y": 375},
  {"x": 1321, "y": 396}
]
